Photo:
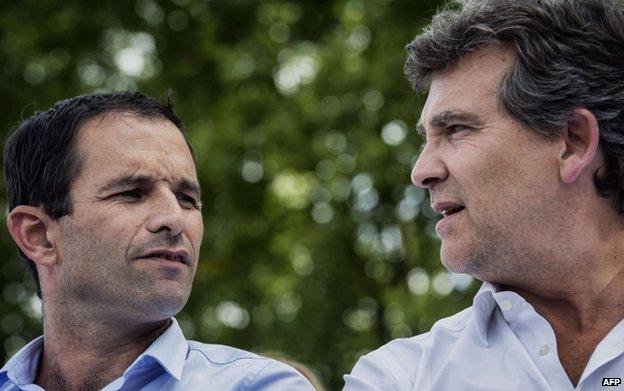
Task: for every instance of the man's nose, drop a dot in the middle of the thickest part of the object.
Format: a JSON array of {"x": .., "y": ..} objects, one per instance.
[
  {"x": 429, "y": 169},
  {"x": 167, "y": 215}
]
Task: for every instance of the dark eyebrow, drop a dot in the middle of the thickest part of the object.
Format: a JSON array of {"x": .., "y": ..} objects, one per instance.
[
  {"x": 444, "y": 118},
  {"x": 189, "y": 186},
  {"x": 420, "y": 129},
  {"x": 184, "y": 184}
]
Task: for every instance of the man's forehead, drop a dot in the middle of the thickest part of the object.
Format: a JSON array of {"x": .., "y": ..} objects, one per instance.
[
  {"x": 124, "y": 145},
  {"x": 482, "y": 69},
  {"x": 124, "y": 128},
  {"x": 466, "y": 90}
]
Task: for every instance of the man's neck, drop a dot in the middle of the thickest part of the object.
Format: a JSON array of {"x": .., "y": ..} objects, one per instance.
[
  {"x": 581, "y": 313},
  {"x": 82, "y": 354},
  {"x": 584, "y": 303}
]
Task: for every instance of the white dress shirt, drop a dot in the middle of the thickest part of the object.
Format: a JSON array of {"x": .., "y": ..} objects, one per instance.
[{"x": 500, "y": 343}]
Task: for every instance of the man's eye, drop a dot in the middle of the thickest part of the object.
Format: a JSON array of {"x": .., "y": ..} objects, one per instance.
[
  {"x": 134, "y": 193},
  {"x": 187, "y": 198},
  {"x": 455, "y": 129}
]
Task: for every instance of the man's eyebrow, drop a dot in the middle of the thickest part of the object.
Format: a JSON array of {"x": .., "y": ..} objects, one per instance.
[
  {"x": 420, "y": 129},
  {"x": 444, "y": 119},
  {"x": 189, "y": 186},
  {"x": 125, "y": 181},
  {"x": 184, "y": 184}
]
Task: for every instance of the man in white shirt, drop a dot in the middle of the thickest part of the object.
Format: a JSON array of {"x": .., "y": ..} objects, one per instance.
[
  {"x": 524, "y": 159},
  {"x": 105, "y": 207}
]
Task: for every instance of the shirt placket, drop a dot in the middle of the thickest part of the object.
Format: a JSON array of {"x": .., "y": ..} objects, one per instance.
[
  {"x": 536, "y": 336},
  {"x": 609, "y": 349}
]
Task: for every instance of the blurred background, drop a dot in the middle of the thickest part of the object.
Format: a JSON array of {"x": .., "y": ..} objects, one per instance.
[{"x": 316, "y": 246}]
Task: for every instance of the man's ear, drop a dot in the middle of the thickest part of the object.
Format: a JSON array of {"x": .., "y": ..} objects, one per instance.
[
  {"x": 581, "y": 137},
  {"x": 30, "y": 228}
]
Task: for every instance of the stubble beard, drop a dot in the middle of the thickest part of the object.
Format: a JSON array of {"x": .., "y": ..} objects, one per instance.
[
  {"x": 105, "y": 284},
  {"x": 493, "y": 255}
]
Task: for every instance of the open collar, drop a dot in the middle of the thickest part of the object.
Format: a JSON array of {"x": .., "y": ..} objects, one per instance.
[{"x": 169, "y": 350}]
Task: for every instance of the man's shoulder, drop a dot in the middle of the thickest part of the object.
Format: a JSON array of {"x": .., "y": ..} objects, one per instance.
[
  {"x": 398, "y": 361},
  {"x": 228, "y": 365},
  {"x": 222, "y": 354},
  {"x": 443, "y": 331}
]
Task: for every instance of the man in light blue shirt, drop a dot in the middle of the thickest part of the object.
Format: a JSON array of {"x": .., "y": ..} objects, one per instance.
[
  {"x": 524, "y": 160},
  {"x": 105, "y": 208},
  {"x": 173, "y": 363}
]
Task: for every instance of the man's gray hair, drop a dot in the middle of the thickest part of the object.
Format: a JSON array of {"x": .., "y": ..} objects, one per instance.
[{"x": 569, "y": 54}]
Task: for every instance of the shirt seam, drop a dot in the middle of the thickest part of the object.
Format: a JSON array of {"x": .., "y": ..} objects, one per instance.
[
  {"x": 224, "y": 362},
  {"x": 253, "y": 378}
]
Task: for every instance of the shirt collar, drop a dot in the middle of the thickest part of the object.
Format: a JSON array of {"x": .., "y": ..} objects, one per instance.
[
  {"x": 21, "y": 369},
  {"x": 169, "y": 350},
  {"x": 485, "y": 302},
  {"x": 483, "y": 305}
]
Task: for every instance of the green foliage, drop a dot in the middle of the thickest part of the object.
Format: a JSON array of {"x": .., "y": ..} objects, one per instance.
[{"x": 316, "y": 244}]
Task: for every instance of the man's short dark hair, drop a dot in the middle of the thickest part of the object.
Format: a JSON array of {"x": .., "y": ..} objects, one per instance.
[
  {"x": 569, "y": 54},
  {"x": 41, "y": 161}
]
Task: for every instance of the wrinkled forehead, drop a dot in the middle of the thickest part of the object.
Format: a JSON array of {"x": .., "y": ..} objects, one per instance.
[
  {"x": 470, "y": 84},
  {"x": 124, "y": 143}
]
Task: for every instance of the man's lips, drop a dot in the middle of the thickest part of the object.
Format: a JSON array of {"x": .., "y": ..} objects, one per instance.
[
  {"x": 172, "y": 255},
  {"x": 450, "y": 211},
  {"x": 442, "y": 227},
  {"x": 447, "y": 208}
]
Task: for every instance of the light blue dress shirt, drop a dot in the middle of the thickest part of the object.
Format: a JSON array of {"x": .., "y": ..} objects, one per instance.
[
  {"x": 173, "y": 363},
  {"x": 500, "y": 343}
]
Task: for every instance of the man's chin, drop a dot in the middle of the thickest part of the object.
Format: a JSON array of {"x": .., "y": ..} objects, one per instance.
[
  {"x": 456, "y": 261},
  {"x": 165, "y": 307},
  {"x": 164, "y": 303},
  {"x": 176, "y": 301}
]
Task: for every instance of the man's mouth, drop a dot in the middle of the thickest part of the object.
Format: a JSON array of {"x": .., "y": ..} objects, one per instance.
[
  {"x": 448, "y": 211},
  {"x": 178, "y": 256},
  {"x": 174, "y": 258},
  {"x": 451, "y": 211},
  {"x": 447, "y": 208}
]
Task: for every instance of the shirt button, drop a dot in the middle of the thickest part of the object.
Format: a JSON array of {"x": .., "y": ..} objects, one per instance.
[
  {"x": 506, "y": 305},
  {"x": 544, "y": 350}
]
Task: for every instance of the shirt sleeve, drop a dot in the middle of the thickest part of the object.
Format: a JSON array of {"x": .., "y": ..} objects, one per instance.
[
  {"x": 276, "y": 376},
  {"x": 370, "y": 374}
]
